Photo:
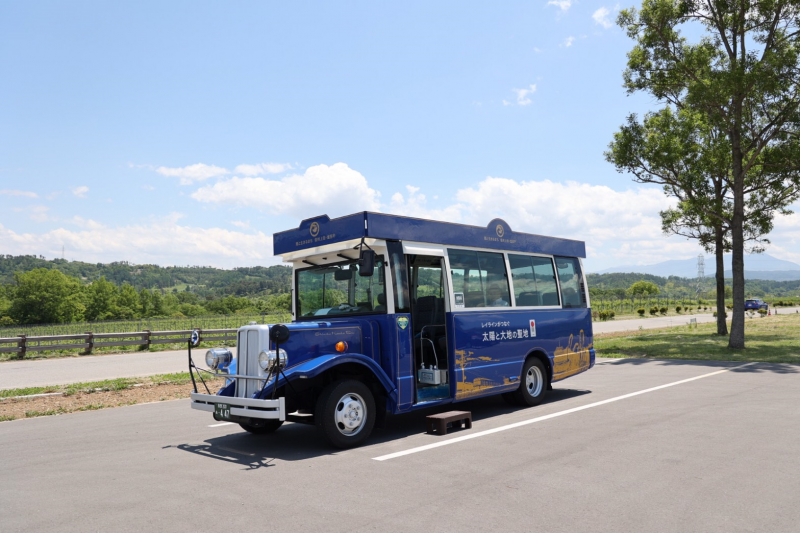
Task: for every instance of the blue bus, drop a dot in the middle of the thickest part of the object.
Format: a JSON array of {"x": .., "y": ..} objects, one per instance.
[{"x": 392, "y": 314}]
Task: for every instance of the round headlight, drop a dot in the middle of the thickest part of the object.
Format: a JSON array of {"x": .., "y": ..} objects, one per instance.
[
  {"x": 268, "y": 360},
  {"x": 217, "y": 357}
]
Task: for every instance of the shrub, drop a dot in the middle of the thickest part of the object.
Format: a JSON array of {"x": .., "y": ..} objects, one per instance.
[
  {"x": 678, "y": 308},
  {"x": 762, "y": 312},
  {"x": 640, "y": 311},
  {"x": 663, "y": 310},
  {"x": 611, "y": 314},
  {"x": 654, "y": 310},
  {"x": 6, "y": 321}
]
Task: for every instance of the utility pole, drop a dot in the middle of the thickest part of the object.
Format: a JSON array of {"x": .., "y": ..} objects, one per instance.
[{"x": 701, "y": 274}]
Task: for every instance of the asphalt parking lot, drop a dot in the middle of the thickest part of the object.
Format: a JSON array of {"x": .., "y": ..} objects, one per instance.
[{"x": 631, "y": 445}]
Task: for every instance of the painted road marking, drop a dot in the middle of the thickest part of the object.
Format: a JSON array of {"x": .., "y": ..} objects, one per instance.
[
  {"x": 547, "y": 417},
  {"x": 218, "y": 425}
]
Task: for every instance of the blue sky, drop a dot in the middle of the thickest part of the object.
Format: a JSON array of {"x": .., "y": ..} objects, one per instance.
[{"x": 189, "y": 132}]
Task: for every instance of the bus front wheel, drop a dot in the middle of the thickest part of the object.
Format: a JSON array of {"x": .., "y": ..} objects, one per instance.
[
  {"x": 269, "y": 426},
  {"x": 345, "y": 413},
  {"x": 533, "y": 383}
]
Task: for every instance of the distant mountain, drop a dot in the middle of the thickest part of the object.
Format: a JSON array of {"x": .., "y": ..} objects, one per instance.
[{"x": 756, "y": 266}]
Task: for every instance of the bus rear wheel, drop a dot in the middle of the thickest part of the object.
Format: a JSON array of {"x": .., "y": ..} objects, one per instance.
[
  {"x": 533, "y": 383},
  {"x": 345, "y": 413}
]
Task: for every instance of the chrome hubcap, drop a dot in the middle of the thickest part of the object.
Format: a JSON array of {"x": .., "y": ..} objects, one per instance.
[
  {"x": 534, "y": 381},
  {"x": 350, "y": 414}
]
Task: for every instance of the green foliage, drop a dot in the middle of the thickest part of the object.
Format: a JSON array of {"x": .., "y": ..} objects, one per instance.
[
  {"x": 640, "y": 311},
  {"x": 654, "y": 310},
  {"x": 662, "y": 310},
  {"x": 43, "y": 295},
  {"x": 678, "y": 308},
  {"x": 643, "y": 288}
]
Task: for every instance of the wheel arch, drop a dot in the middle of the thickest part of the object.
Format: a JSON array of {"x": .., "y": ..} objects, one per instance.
[{"x": 540, "y": 354}]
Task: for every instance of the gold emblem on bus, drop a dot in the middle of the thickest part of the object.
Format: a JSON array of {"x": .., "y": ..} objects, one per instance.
[
  {"x": 314, "y": 229},
  {"x": 500, "y": 230}
]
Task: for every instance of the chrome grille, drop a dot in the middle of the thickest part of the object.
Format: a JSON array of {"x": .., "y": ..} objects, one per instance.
[
  {"x": 252, "y": 362},
  {"x": 248, "y": 347}
]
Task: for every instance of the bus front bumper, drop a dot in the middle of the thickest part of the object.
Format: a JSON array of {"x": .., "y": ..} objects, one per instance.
[{"x": 229, "y": 408}]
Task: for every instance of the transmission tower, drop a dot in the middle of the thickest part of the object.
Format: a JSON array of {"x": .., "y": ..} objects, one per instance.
[{"x": 701, "y": 275}]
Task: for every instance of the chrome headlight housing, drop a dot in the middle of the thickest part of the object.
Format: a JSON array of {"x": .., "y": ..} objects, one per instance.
[
  {"x": 270, "y": 359},
  {"x": 218, "y": 357}
]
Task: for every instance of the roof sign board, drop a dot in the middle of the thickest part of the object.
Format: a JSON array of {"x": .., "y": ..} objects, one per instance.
[{"x": 497, "y": 234}]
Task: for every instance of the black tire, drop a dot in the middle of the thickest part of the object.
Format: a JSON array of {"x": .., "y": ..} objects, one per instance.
[
  {"x": 533, "y": 383},
  {"x": 345, "y": 413},
  {"x": 270, "y": 426}
]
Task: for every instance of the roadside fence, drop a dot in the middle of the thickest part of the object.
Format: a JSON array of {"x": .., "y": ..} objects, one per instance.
[{"x": 23, "y": 344}]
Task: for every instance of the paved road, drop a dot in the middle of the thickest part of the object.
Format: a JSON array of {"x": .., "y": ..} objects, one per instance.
[
  {"x": 713, "y": 452},
  {"x": 42, "y": 372}
]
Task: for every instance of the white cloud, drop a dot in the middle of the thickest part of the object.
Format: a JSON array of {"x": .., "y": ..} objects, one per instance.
[
  {"x": 86, "y": 223},
  {"x": 563, "y": 5},
  {"x": 148, "y": 187},
  {"x": 601, "y": 17},
  {"x": 334, "y": 190},
  {"x": 193, "y": 173},
  {"x": 160, "y": 241},
  {"x": 415, "y": 205},
  {"x": 568, "y": 41},
  {"x": 262, "y": 168},
  {"x": 241, "y": 224},
  {"x": 81, "y": 191},
  {"x": 13, "y": 192},
  {"x": 38, "y": 213},
  {"x": 523, "y": 96}
]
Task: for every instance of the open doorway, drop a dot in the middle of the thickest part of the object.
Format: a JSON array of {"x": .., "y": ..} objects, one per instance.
[{"x": 428, "y": 305}]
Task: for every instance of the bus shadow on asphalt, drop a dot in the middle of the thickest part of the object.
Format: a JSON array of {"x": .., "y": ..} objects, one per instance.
[
  {"x": 298, "y": 442},
  {"x": 753, "y": 368}
]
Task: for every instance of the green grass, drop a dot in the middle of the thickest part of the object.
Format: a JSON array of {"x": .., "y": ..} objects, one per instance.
[
  {"x": 774, "y": 339},
  {"x": 179, "y": 378},
  {"x": 4, "y": 418},
  {"x": 153, "y": 324},
  {"x": 34, "y": 414}
]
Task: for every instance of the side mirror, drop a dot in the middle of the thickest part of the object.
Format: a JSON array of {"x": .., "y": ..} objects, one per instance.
[
  {"x": 279, "y": 334},
  {"x": 366, "y": 263}
]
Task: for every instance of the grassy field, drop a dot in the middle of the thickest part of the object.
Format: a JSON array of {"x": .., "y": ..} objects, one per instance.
[
  {"x": 153, "y": 324},
  {"x": 773, "y": 339}
]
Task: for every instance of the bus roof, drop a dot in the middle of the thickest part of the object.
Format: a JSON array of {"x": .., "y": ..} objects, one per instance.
[{"x": 323, "y": 230}]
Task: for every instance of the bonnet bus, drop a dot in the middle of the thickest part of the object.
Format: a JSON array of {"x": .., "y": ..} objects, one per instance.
[{"x": 391, "y": 314}]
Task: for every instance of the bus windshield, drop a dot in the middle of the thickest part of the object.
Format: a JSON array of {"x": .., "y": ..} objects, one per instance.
[{"x": 338, "y": 289}]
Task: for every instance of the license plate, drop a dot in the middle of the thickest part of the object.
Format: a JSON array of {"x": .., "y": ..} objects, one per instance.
[{"x": 222, "y": 411}]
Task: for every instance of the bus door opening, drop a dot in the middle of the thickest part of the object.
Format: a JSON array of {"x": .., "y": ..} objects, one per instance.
[{"x": 427, "y": 289}]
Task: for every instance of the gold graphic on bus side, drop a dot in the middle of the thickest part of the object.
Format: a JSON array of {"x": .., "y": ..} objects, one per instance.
[
  {"x": 479, "y": 385},
  {"x": 573, "y": 358}
]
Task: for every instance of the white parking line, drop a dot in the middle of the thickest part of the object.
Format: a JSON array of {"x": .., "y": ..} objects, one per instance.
[
  {"x": 547, "y": 417},
  {"x": 218, "y": 425}
]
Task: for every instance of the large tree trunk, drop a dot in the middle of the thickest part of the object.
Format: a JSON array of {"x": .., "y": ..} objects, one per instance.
[
  {"x": 722, "y": 325},
  {"x": 736, "y": 340}
]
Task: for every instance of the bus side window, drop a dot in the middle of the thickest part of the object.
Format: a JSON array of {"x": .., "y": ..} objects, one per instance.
[
  {"x": 481, "y": 273},
  {"x": 569, "y": 275},
  {"x": 534, "y": 280}
]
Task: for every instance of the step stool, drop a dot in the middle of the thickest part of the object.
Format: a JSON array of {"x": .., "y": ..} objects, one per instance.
[{"x": 438, "y": 423}]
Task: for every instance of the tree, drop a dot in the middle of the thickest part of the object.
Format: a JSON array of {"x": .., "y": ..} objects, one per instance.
[
  {"x": 44, "y": 296},
  {"x": 643, "y": 288},
  {"x": 742, "y": 78},
  {"x": 691, "y": 160},
  {"x": 101, "y": 300}
]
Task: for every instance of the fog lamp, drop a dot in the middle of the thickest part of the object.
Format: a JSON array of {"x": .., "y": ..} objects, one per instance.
[
  {"x": 268, "y": 360},
  {"x": 217, "y": 357}
]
